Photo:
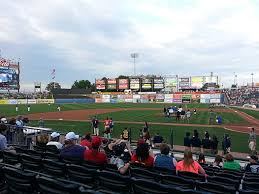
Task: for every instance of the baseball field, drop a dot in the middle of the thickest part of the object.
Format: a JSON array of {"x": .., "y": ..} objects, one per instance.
[{"x": 76, "y": 117}]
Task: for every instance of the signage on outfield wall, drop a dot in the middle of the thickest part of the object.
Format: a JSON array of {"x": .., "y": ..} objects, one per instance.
[
  {"x": 123, "y": 84},
  {"x": 3, "y": 101},
  {"x": 12, "y": 101},
  {"x": 213, "y": 79},
  {"x": 100, "y": 84},
  {"x": 31, "y": 101},
  {"x": 184, "y": 82},
  {"x": 45, "y": 101}
]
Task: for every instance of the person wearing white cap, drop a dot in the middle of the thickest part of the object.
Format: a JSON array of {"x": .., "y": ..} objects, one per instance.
[
  {"x": 55, "y": 140},
  {"x": 71, "y": 149},
  {"x": 3, "y": 120}
]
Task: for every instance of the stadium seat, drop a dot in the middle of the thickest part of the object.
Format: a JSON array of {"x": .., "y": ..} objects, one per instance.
[
  {"x": 224, "y": 181},
  {"x": 114, "y": 181},
  {"x": 3, "y": 185},
  {"x": 250, "y": 186},
  {"x": 177, "y": 181},
  {"x": 35, "y": 154},
  {"x": 30, "y": 162},
  {"x": 91, "y": 165},
  {"x": 11, "y": 158},
  {"x": 54, "y": 168},
  {"x": 39, "y": 148},
  {"x": 20, "y": 150},
  {"x": 193, "y": 176},
  {"x": 251, "y": 179},
  {"x": 250, "y": 174},
  {"x": 46, "y": 185},
  {"x": 228, "y": 175},
  {"x": 52, "y": 149},
  {"x": 143, "y": 174},
  {"x": 51, "y": 156},
  {"x": 111, "y": 167},
  {"x": 164, "y": 171},
  {"x": 248, "y": 192},
  {"x": 82, "y": 190},
  {"x": 234, "y": 172},
  {"x": 71, "y": 160},
  {"x": 18, "y": 181},
  {"x": 215, "y": 188},
  {"x": 81, "y": 174}
]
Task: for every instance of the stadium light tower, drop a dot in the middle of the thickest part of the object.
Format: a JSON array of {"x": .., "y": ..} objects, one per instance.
[
  {"x": 134, "y": 56},
  {"x": 252, "y": 74}
]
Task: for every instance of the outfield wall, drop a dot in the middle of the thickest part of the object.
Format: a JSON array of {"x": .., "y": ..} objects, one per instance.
[{"x": 28, "y": 101}]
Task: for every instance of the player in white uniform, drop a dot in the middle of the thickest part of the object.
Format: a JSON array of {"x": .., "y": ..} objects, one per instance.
[{"x": 16, "y": 108}]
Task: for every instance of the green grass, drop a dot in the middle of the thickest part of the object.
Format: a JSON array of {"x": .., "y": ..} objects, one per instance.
[
  {"x": 9, "y": 110},
  {"x": 252, "y": 113},
  {"x": 239, "y": 140},
  {"x": 202, "y": 117}
]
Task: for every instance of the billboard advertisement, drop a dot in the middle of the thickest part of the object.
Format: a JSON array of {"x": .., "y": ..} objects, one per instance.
[
  {"x": 184, "y": 82},
  {"x": 111, "y": 84},
  {"x": 146, "y": 84},
  {"x": 100, "y": 84},
  {"x": 9, "y": 75},
  {"x": 197, "y": 82},
  {"x": 123, "y": 84},
  {"x": 134, "y": 84},
  {"x": 209, "y": 79},
  {"x": 158, "y": 83}
]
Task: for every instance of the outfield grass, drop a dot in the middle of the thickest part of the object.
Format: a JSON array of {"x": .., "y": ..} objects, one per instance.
[
  {"x": 253, "y": 113},
  {"x": 9, "y": 110},
  {"x": 239, "y": 140},
  {"x": 202, "y": 117}
]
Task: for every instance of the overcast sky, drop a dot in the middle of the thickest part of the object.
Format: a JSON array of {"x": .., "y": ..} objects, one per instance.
[{"x": 88, "y": 39}]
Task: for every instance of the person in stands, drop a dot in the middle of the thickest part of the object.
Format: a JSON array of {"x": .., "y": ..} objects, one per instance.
[
  {"x": 226, "y": 144},
  {"x": 86, "y": 141},
  {"x": 117, "y": 159},
  {"x": 163, "y": 160},
  {"x": 252, "y": 140},
  {"x": 3, "y": 141},
  {"x": 189, "y": 165},
  {"x": 230, "y": 163},
  {"x": 217, "y": 162},
  {"x": 196, "y": 142},
  {"x": 95, "y": 155},
  {"x": 206, "y": 143},
  {"x": 157, "y": 140},
  {"x": 54, "y": 140},
  {"x": 143, "y": 156},
  {"x": 71, "y": 149},
  {"x": 253, "y": 166},
  {"x": 214, "y": 145},
  {"x": 187, "y": 142},
  {"x": 201, "y": 159}
]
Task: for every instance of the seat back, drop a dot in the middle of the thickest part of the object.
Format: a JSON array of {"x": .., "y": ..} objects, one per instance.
[
  {"x": 247, "y": 192},
  {"x": 52, "y": 149},
  {"x": 91, "y": 165},
  {"x": 35, "y": 154},
  {"x": 47, "y": 185},
  {"x": 215, "y": 188},
  {"x": 19, "y": 181},
  {"x": 54, "y": 168},
  {"x": 251, "y": 186},
  {"x": 224, "y": 181},
  {"x": 161, "y": 170},
  {"x": 30, "y": 162},
  {"x": 192, "y": 176},
  {"x": 143, "y": 186},
  {"x": 10, "y": 157},
  {"x": 80, "y": 174},
  {"x": 177, "y": 181},
  {"x": 51, "y": 156},
  {"x": 141, "y": 173},
  {"x": 114, "y": 181}
]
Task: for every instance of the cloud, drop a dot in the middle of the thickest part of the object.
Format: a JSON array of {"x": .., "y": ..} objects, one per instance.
[{"x": 88, "y": 39}]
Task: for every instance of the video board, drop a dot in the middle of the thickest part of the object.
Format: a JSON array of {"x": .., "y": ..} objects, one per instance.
[
  {"x": 146, "y": 83},
  {"x": 123, "y": 84},
  {"x": 100, "y": 84},
  {"x": 184, "y": 82},
  {"x": 158, "y": 83},
  {"x": 111, "y": 84},
  {"x": 9, "y": 75},
  {"x": 197, "y": 82},
  {"x": 134, "y": 84}
]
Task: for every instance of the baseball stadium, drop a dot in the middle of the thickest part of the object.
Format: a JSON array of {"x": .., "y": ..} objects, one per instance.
[{"x": 112, "y": 131}]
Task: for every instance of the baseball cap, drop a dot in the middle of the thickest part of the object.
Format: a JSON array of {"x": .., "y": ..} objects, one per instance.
[
  {"x": 4, "y": 120},
  {"x": 55, "y": 134},
  {"x": 71, "y": 136},
  {"x": 96, "y": 141}
]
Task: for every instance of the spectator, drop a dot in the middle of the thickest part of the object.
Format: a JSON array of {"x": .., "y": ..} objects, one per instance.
[
  {"x": 253, "y": 166},
  {"x": 71, "y": 149},
  {"x": 42, "y": 140},
  {"x": 163, "y": 160},
  {"x": 55, "y": 140},
  {"x": 117, "y": 160},
  {"x": 226, "y": 144},
  {"x": 86, "y": 141},
  {"x": 187, "y": 141},
  {"x": 206, "y": 143},
  {"x": 95, "y": 124},
  {"x": 94, "y": 155},
  {"x": 41, "y": 123},
  {"x": 157, "y": 140},
  {"x": 214, "y": 145},
  {"x": 143, "y": 156},
  {"x": 252, "y": 140},
  {"x": 19, "y": 122},
  {"x": 107, "y": 130},
  {"x": 196, "y": 142},
  {"x": 111, "y": 125},
  {"x": 3, "y": 141},
  {"x": 183, "y": 115},
  {"x": 217, "y": 162},
  {"x": 3, "y": 120},
  {"x": 188, "y": 115},
  {"x": 201, "y": 159},
  {"x": 146, "y": 135},
  {"x": 189, "y": 165},
  {"x": 230, "y": 163}
]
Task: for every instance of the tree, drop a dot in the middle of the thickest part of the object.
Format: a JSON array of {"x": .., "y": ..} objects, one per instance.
[
  {"x": 81, "y": 84},
  {"x": 123, "y": 77},
  {"x": 53, "y": 85}
]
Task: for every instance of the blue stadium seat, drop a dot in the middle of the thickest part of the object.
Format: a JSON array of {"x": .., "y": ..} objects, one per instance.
[
  {"x": 177, "y": 181},
  {"x": 215, "y": 188},
  {"x": 54, "y": 168},
  {"x": 30, "y": 162}
]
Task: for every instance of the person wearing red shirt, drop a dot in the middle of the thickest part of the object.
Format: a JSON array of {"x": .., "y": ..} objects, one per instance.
[
  {"x": 94, "y": 155},
  {"x": 142, "y": 155},
  {"x": 86, "y": 141},
  {"x": 107, "y": 130}
]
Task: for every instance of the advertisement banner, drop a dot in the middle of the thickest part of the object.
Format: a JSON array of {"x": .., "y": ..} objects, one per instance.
[
  {"x": 197, "y": 82},
  {"x": 196, "y": 96},
  {"x": 168, "y": 100},
  {"x": 144, "y": 97},
  {"x": 128, "y": 96},
  {"x": 129, "y": 100},
  {"x": 134, "y": 84},
  {"x": 158, "y": 83},
  {"x": 215, "y": 100},
  {"x": 12, "y": 101},
  {"x": 4, "y": 101},
  {"x": 120, "y": 96},
  {"x": 106, "y": 96},
  {"x": 123, "y": 84},
  {"x": 100, "y": 84},
  {"x": 98, "y": 100},
  {"x": 146, "y": 86},
  {"x": 184, "y": 82},
  {"x": 177, "y": 96},
  {"x": 111, "y": 84},
  {"x": 213, "y": 79},
  {"x": 113, "y": 101},
  {"x": 45, "y": 101},
  {"x": 160, "y": 100},
  {"x": 146, "y": 83},
  {"x": 160, "y": 96},
  {"x": 22, "y": 101},
  {"x": 205, "y": 96},
  {"x": 177, "y": 100},
  {"x": 151, "y": 96},
  {"x": 136, "y": 96},
  {"x": 186, "y": 96},
  {"x": 171, "y": 82},
  {"x": 168, "y": 96},
  {"x": 144, "y": 101},
  {"x": 112, "y": 87},
  {"x": 120, "y": 100},
  {"x": 106, "y": 100},
  {"x": 32, "y": 101},
  {"x": 215, "y": 96}
]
